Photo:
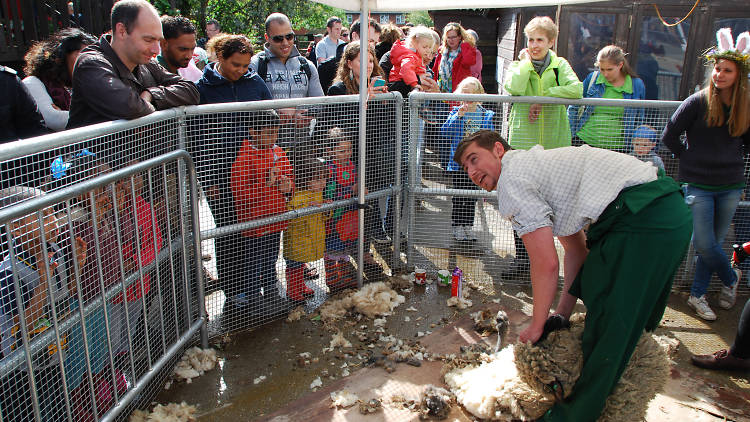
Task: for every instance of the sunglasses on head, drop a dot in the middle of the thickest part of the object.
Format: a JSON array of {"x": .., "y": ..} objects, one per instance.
[{"x": 280, "y": 38}]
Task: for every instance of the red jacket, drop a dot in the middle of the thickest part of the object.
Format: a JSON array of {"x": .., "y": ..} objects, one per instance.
[
  {"x": 407, "y": 64},
  {"x": 150, "y": 242},
  {"x": 253, "y": 197},
  {"x": 461, "y": 64}
]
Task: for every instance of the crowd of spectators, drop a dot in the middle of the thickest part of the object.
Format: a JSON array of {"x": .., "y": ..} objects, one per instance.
[{"x": 276, "y": 161}]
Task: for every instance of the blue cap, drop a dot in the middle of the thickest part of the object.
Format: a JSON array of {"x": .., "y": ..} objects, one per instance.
[{"x": 647, "y": 132}]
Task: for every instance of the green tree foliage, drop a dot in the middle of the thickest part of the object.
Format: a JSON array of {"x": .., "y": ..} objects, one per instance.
[
  {"x": 420, "y": 18},
  {"x": 248, "y": 16}
]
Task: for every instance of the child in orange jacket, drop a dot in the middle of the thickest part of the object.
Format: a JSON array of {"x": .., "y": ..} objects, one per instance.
[{"x": 261, "y": 180}]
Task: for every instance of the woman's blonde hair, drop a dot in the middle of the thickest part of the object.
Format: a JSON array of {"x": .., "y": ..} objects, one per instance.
[
  {"x": 616, "y": 55},
  {"x": 470, "y": 83},
  {"x": 454, "y": 26},
  {"x": 544, "y": 24},
  {"x": 422, "y": 33},
  {"x": 739, "y": 111},
  {"x": 344, "y": 73}
]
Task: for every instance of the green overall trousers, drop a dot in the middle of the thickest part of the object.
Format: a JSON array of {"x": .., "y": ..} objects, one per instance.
[{"x": 635, "y": 248}]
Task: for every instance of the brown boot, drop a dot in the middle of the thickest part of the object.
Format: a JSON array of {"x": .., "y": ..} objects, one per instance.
[{"x": 295, "y": 285}]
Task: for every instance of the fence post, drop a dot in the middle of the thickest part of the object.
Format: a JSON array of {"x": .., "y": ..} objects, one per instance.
[
  {"x": 413, "y": 137},
  {"x": 396, "y": 235}
]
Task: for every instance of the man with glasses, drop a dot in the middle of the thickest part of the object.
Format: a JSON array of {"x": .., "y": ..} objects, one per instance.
[{"x": 287, "y": 73}]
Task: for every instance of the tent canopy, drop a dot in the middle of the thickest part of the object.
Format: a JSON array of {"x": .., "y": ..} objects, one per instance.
[{"x": 402, "y": 6}]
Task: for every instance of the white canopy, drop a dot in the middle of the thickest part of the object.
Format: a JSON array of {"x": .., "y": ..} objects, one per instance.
[{"x": 407, "y": 6}]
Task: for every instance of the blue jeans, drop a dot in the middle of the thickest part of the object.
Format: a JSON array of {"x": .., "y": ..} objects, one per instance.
[{"x": 712, "y": 216}]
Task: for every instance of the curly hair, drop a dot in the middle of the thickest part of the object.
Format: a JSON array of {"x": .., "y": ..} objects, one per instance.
[
  {"x": 46, "y": 59},
  {"x": 225, "y": 45},
  {"x": 391, "y": 33},
  {"x": 344, "y": 73},
  {"x": 465, "y": 37}
]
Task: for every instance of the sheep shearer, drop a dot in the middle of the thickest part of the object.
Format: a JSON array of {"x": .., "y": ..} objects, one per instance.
[{"x": 638, "y": 230}]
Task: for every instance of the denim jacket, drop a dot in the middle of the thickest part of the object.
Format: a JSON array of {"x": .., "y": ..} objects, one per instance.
[{"x": 632, "y": 117}]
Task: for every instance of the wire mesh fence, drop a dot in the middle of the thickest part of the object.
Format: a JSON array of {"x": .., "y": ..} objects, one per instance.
[
  {"x": 276, "y": 219},
  {"x": 98, "y": 293},
  {"x": 453, "y": 223}
]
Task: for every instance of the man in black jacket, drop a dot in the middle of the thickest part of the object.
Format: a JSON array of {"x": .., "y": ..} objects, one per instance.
[
  {"x": 117, "y": 78},
  {"x": 19, "y": 116}
]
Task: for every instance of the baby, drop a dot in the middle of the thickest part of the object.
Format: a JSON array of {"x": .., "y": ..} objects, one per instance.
[{"x": 644, "y": 145}]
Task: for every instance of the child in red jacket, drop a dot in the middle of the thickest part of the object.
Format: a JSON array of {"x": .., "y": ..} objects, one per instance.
[
  {"x": 408, "y": 59},
  {"x": 261, "y": 181}
]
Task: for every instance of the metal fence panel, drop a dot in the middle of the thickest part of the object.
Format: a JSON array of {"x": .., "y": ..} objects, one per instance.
[
  {"x": 455, "y": 224},
  {"x": 98, "y": 293}
]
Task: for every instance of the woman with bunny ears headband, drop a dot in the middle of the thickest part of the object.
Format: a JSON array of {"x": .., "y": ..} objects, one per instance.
[{"x": 716, "y": 121}]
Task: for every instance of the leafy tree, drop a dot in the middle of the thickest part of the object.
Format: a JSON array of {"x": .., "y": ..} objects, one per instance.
[{"x": 420, "y": 18}]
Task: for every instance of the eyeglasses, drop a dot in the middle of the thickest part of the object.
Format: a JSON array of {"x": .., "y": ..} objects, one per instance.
[
  {"x": 345, "y": 34},
  {"x": 279, "y": 38}
]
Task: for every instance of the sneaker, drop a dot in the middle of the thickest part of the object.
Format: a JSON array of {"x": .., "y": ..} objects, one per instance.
[
  {"x": 728, "y": 295},
  {"x": 470, "y": 234},
  {"x": 701, "y": 307},
  {"x": 458, "y": 233},
  {"x": 381, "y": 238},
  {"x": 721, "y": 360}
]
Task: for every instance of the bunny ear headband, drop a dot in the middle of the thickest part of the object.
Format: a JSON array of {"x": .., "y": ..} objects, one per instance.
[{"x": 727, "y": 49}]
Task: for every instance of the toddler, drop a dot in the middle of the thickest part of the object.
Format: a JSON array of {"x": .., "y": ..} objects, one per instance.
[
  {"x": 304, "y": 239},
  {"x": 644, "y": 145},
  {"x": 464, "y": 120},
  {"x": 408, "y": 59},
  {"x": 342, "y": 227}
]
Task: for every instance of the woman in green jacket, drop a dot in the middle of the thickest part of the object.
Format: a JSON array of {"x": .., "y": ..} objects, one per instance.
[{"x": 539, "y": 72}]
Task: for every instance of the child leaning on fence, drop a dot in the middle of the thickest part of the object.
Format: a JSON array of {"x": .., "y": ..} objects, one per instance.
[
  {"x": 304, "y": 239},
  {"x": 140, "y": 242},
  {"x": 342, "y": 227},
  {"x": 95, "y": 224},
  {"x": 463, "y": 120},
  {"x": 261, "y": 180},
  {"x": 23, "y": 270}
]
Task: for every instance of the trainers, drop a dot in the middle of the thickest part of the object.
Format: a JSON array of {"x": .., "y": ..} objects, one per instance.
[
  {"x": 459, "y": 233},
  {"x": 728, "y": 295},
  {"x": 470, "y": 234},
  {"x": 701, "y": 307},
  {"x": 381, "y": 238}
]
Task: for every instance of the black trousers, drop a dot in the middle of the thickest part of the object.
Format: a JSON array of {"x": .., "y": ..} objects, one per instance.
[{"x": 463, "y": 208}]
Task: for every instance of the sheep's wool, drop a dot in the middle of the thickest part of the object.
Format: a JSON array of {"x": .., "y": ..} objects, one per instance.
[
  {"x": 491, "y": 390},
  {"x": 513, "y": 383},
  {"x": 171, "y": 412},
  {"x": 375, "y": 299},
  {"x": 343, "y": 398},
  {"x": 194, "y": 363}
]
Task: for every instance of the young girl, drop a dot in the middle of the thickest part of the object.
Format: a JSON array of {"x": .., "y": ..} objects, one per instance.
[
  {"x": 716, "y": 122},
  {"x": 304, "y": 238},
  {"x": 464, "y": 120},
  {"x": 341, "y": 229},
  {"x": 408, "y": 59}
]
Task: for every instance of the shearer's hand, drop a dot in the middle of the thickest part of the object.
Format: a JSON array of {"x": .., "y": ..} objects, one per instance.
[{"x": 532, "y": 333}]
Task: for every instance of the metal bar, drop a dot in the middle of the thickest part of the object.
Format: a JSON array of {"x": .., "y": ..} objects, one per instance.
[
  {"x": 79, "y": 294},
  {"x": 491, "y": 98},
  {"x": 171, "y": 256},
  {"x": 396, "y": 235},
  {"x": 364, "y": 59},
  {"x": 100, "y": 268},
  {"x": 24, "y": 327},
  {"x": 185, "y": 279},
  {"x": 289, "y": 215},
  {"x": 139, "y": 386},
  {"x": 197, "y": 252},
  {"x": 141, "y": 273},
  {"x": 412, "y": 184},
  {"x": 157, "y": 272}
]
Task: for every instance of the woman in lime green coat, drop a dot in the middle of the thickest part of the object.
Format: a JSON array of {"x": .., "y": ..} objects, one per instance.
[{"x": 539, "y": 72}]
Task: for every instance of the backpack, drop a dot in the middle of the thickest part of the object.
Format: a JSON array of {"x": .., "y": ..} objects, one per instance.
[{"x": 263, "y": 60}]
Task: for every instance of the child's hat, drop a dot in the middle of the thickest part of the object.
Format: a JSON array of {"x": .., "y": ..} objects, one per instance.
[
  {"x": 647, "y": 132},
  {"x": 264, "y": 118}
]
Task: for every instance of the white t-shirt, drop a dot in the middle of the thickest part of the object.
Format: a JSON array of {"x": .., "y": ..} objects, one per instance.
[{"x": 53, "y": 118}]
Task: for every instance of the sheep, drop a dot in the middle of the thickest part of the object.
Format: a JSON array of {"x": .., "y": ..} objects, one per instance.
[{"x": 523, "y": 381}]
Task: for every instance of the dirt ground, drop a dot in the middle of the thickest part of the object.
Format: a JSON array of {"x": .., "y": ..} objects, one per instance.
[{"x": 260, "y": 375}]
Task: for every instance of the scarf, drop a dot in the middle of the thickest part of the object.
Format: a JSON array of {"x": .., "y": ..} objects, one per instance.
[
  {"x": 445, "y": 73},
  {"x": 541, "y": 65},
  {"x": 60, "y": 95}
]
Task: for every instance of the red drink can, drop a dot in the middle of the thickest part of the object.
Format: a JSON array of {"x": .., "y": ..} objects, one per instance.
[{"x": 456, "y": 282}]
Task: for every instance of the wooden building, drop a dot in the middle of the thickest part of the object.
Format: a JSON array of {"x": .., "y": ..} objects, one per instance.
[
  {"x": 24, "y": 21},
  {"x": 667, "y": 58}
]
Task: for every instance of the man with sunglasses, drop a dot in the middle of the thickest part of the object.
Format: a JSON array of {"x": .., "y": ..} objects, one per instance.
[{"x": 287, "y": 73}]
